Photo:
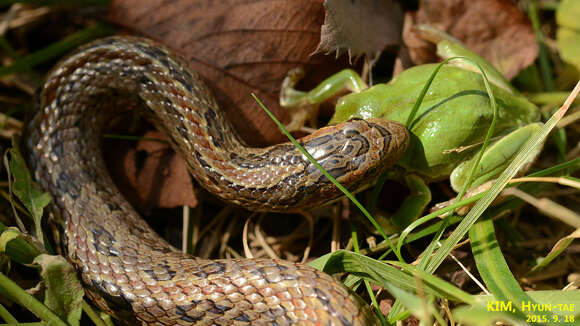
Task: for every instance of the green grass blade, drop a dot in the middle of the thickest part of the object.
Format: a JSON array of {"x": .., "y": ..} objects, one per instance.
[
  {"x": 521, "y": 158},
  {"x": 6, "y": 316},
  {"x": 494, "y": 269},
  {"x": 331, "y": 178},
  {"x": 396, "y": 273},
  {"x": 354, "y": 238},
  {"x": 93, "y": 315},
  {"x": 545, "y": 68},
  {"x": 482, "y": 316},
  {"x": 56, "y": 49}
]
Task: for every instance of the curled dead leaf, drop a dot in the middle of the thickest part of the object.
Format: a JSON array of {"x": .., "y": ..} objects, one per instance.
[
  {"x": 495, "y": 29},
  {"x": 150, "y": 174},
  {"x": 238, "y": 46},
  {"x": 360, "y": 27}
]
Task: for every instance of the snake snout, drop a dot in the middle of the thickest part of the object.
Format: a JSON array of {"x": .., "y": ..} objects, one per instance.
[
  {"x": 393, "y": 136},
  {"x": 362, "y": 150},
  {"x": 381, "y": 143}
]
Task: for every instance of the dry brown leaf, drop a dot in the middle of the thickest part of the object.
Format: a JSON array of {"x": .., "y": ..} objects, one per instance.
[
  {"x": 386, "y": 305},
  {"x": 360, "y": 26},
  {"x": 238, "y": 46},
  {"x": 150, "y": 174},
  {"x": 495, "y": 29}
]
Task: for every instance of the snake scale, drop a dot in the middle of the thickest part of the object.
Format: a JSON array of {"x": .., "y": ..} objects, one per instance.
[{"x": 126, "y": 268}]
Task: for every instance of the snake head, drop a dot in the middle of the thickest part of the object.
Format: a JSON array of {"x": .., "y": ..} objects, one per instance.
[{"x": 355, "y": 153}]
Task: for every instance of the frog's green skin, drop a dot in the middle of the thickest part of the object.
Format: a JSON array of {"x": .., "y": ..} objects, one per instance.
[
  {"x": 456, "y": 112},
  {"x": 447, "y": 131}
]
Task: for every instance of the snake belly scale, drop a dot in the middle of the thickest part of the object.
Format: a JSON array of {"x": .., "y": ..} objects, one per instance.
[{"x": 126, "y": 268}]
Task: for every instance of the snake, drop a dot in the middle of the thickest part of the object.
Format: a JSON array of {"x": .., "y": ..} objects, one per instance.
[{"x": 130, "y": 272}]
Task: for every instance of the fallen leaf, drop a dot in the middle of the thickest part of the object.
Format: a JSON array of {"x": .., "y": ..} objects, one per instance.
[
  {"x": 386, "y": 305},
  {"x": 495, "y": 29},
  {"x": 238, "y": 46},
  {"x": 558, "y": 248},
  {"x": 360, "y": 27},
  {"x": 150, "y": 174}
]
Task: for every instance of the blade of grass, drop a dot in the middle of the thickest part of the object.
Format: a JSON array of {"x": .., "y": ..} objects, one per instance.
[
  {"x": 545, "y": 68},
  {"x": 433, "y": 215},
  {"x": 403, "y": 237},
  {"x": 56, "y": 49},
  {"x": 354, "y": 238},
  {"x": 394, "y": 273},
  {"x": 6, "y": 316},
  {"x": 330, "y": 177},
  {"x": 4, "y": 45},
  {"x": 95, "y": 318},
  {"x": 494, "y": 269},
  {"x": 559, "y": 137},
  {"x": 571, "y": 165},
  {"x": 549, "y": 98},
  {"x": 520, "y": 159}
]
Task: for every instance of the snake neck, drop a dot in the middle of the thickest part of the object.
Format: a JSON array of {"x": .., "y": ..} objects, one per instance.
[
  {"x": 126, "y": 267},
  {"x": 114, "y": 74}
]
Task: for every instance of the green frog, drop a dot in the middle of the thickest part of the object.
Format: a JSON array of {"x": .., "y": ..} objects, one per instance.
[{"x": 447, "y": 131}]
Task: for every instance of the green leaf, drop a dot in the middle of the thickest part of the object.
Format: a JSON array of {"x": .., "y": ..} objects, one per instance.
[
  {"x": 495, "y": 272},
  {"x": 569, "y": 44},
  {"x": 568, "y": 33},
  {"x": 561, "y": 302},
  {"x": 6, "y": 236},
  {"x": 481, "y": 316},
  {"x": 64, "y": 293},
  {"x": 26, "y": 190},
  {"x": 568, "y": 13},
  {"x": 14, "y": 244}
]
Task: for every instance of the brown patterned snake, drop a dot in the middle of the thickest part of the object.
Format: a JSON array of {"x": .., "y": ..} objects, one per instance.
[{"x": 130, "y": 271}]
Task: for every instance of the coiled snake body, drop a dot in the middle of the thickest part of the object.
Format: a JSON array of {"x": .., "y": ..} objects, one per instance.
[{"x": 126, "y": 268}]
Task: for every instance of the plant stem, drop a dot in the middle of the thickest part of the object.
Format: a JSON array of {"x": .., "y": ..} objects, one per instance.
[{"x": 29, "y": 302}]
